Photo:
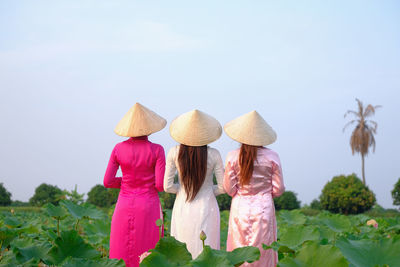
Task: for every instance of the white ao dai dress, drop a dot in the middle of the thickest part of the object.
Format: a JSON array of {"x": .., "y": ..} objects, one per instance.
[{"x": 200, "y": 214}]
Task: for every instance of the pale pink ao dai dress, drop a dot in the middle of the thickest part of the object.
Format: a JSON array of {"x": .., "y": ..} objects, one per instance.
[{"x": 252, "y": 219}]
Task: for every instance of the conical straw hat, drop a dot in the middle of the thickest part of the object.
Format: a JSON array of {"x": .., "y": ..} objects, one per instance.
[
  {"x": 139, "y": 121},
  {"x": 250, "y": 129},
  {"x": 195, "y": 128}
]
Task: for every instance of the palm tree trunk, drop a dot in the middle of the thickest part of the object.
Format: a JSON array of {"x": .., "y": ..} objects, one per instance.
[{"x": 362, "y": 167}]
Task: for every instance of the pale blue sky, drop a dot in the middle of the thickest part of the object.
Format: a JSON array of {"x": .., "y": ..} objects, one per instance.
[{"x": 69, "y": 70}]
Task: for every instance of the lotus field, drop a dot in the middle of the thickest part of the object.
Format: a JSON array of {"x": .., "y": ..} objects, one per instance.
[{"x": 78, "y": 235}]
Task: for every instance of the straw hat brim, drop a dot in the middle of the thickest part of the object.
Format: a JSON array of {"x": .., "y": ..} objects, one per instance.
[
  {"x": 139, "y": 121},
  {"x": 195, "y": 128},
  {"x": 251, "y": 129}
]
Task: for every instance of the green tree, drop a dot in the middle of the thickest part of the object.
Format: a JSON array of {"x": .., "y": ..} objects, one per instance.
[
  {"x": 46, "y": 193},
  {"x": 224, "y": 201},
  {"x": 396, "y": 194},
  {"x": 102, "y": 197},
  {"x": 73, "y": 195},
  {"x": 167, "y": 200},
  {"x": 5, "y": 196},
  {"x": 347, "y": 195},
  {"x": 315, "y": 204},
  {"x": 18, "y": 203},
  {"x": 362, "y": 137},
  {"x": 287, "y": 201}
]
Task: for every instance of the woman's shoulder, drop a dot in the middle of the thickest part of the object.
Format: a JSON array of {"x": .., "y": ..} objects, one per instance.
[
  {"x": 268, "y": 151},
  {"x": 173, "y": 151},
  {"x": 213, "y": 154},
  {"x": 270, "y": 154},
  {"x": 156, "y": 146},
  {"x": 212, "y": 151},
  {"x": 121, "y": 144}
]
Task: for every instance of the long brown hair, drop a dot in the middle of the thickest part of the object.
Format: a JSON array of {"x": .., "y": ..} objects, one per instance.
[
  {"x": 193, "y": 167},
  {"x": 247, "y": 156}
]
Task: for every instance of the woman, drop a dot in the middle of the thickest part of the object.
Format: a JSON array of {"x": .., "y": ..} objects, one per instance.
[
  {"x": 133, "y": 228},
  {"x": 253, "y": 177},
  {"x": 195, "y": 208}
]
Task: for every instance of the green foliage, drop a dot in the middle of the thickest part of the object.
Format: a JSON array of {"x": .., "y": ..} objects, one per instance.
[
  {"x": 309, "y": 211},
  {"x": 170, "y": 252},
  {"x": 378, "y": 211},
  {"x": 28, "y": 239},
  {"x": 224, "y": 201},
  {"x": 336, "y": 240},
  {"x": 18, "y": 203},
  {"x": 365, "y": 253},
  {"x": 287, "y": 201},
  {"x": 102, "y": 197},
  {"x": 347, "y": 195},
  {"x": 104, "y": 262},
  {"x": 54, "y": 211},
  {"x": 337, "y": 223},
  {"x": 46, "y": 193},
  {"x": 85, "y": 210},
  {"x": 51, "y": 238},
  {"x": 396, "y": 194},
  {"x": 294, "y": 236},
  {"x": 5, "y": 196},
  {"x": 70, "y": 243},
  {"x": 313, "y": 254},
  {"x": 167, "y": 200},
  {"x": 315, "y": 204},
  {"x": 27, "y": 251},
  {"x": 73, "y": 195},
  {"x": 292, "y": 217}
]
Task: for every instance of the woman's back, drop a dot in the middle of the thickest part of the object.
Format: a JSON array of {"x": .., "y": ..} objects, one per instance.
[
  {"x": 138, "y": 158},
  {"x": 189, "y": 218},
  {"x": 214, "y": 165},
  {"x": 265, "y": 178}
]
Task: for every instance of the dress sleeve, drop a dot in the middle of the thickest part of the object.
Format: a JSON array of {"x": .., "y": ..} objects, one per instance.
[
  {"x": 219, "y": 174},
  {"x": 160, "y": 169},
  {"x": 170, "y": 171},
  {"x": 277, "y": 178},
  {"x": 230, "y": 178},
  {"x": 110, "y": 179}
]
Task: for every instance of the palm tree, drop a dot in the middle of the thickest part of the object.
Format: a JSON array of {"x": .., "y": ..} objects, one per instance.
[{"x": 362, "y": 137}]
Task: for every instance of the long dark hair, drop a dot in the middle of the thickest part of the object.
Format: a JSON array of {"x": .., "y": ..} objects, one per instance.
[
  {"x": 193, "y": 167},
  {"x": 247, "y": 156}
]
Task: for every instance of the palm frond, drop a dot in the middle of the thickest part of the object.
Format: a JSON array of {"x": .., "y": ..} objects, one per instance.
[
  {"x": 369, "y": 110},
  {"x": 360, "y": 107},
  {"x": 349, "y": 123},
  {"x": 352, "y": 112},
  {"x": 374, "y": 123}
]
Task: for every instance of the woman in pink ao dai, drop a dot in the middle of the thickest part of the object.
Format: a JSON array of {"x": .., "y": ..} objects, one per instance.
[
  {"x": 253, "y": 177},
  {"x": 133, "y": 225}
]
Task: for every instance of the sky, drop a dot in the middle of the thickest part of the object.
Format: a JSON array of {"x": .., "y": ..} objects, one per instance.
[{"x": 70, "y": 70}]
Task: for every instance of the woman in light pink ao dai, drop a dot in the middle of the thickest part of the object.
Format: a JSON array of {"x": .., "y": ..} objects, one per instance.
[{"x": 253, "y": 177}]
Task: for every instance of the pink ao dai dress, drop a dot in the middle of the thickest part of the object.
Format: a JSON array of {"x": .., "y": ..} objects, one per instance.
[
  {"x": 252, "y": 219},
  {"x": 200, "y": 214},
  {"x": 133, "y": 225}
]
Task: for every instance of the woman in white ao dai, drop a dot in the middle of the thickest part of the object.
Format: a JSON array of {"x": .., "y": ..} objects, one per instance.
[{"x": 195, "y": 208}]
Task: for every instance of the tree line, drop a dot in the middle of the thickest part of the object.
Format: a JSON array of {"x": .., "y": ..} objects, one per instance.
[{"x": 343, "y": 194}]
